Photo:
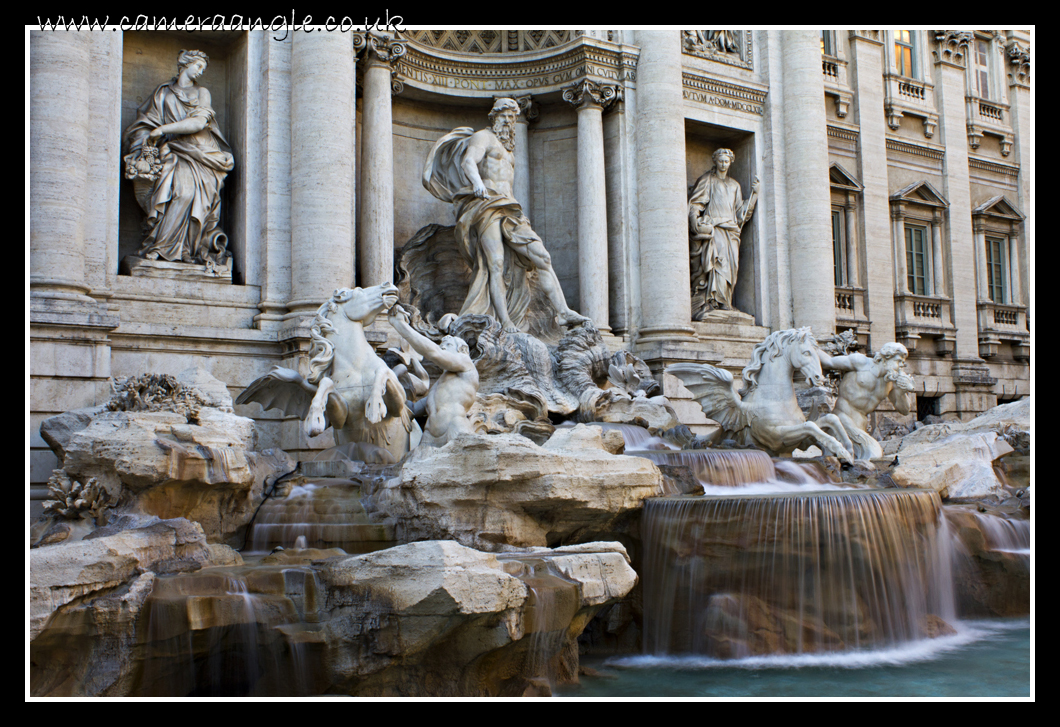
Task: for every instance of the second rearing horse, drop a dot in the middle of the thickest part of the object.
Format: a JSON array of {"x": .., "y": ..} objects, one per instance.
[{"x": 766, "y": 413}]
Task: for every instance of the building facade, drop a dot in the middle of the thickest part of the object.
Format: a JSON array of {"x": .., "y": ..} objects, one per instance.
[{"x": 919, "y": 235}]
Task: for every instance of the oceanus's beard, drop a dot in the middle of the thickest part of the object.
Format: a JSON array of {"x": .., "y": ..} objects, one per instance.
[{"x": 505, "y": 133}]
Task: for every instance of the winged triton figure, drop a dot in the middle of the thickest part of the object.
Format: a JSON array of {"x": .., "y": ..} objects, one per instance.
[{"x": 766, "y": 413}]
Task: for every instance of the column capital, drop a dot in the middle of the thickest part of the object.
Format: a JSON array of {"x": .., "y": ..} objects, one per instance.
[
  {"x": 1019, "y": 64},
  {"x": 587, "y": 93},
  {"x": 377, "y": 48},
  {"x": 528, "y": 106},
  {"x": 951, "y": 46}
]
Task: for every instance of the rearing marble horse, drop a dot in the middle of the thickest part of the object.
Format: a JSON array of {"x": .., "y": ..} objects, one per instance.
[
  {"x": 348, "y": 388},
  {"x": 766, "y": 413}
]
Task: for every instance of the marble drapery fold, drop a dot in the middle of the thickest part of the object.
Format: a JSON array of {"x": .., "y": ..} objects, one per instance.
[{"x": 183, "y": 205}]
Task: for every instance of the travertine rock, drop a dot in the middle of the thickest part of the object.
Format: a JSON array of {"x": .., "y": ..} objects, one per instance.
[
  {"x": 494, "y": 492},
  {"x": 71, "y": 572},
  {"x": 956, "y": 458},
  {"x": 959, "y": 466},
  {"x": 196, "y": 462}
]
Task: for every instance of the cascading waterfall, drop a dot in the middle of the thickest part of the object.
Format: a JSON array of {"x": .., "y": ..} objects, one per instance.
[
  {"x": 794, "y": 573},
  {"x": 235, "y": 631},
  {"x": 324, "y": 515}
]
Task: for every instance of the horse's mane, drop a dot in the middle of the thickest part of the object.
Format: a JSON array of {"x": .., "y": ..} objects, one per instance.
[
  {"x": 322, "y": 351},
  {"x": 774, "y": 345}
]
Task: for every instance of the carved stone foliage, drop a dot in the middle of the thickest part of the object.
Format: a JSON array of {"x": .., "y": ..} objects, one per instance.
[
  {"x": 155, "y": 392},
  {"x": 378, "y": 47},
  {"x": 588, "y": 92},
  {"x": 952, "y": 45},
  {"x": 1020, "y": 63},
  {"x": 726, "y": 46}
]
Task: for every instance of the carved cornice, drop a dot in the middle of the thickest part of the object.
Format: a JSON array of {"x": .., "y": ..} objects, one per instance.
[
  {"x": 1020, "y": 64},
  {"x": 847, "y": 135},
  {"x": 894, "y": 145},
  {"x": 732, "y": 47},
  {"x": 588, "y": 93},
  {"x": 951, "y": 46},
  {"x": 714, "y": 92},
  {"x": 455, "y": 74},
  {"x": 985, "y": 165},
  {"x": 873, "y": 36}
]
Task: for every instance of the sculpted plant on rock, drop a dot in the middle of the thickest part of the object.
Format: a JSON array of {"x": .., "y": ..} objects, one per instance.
[
  {"x": 155, "y": 392},
  {"x": 73, "y": 500}
]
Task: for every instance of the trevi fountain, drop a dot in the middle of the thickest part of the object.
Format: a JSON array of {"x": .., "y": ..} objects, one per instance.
[{"x": 458, "y": 472}]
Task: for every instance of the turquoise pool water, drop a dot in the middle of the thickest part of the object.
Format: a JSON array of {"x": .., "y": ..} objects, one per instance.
[{"x": 989, "y": 658}]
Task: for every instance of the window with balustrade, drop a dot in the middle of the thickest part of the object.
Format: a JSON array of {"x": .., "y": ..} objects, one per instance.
[
  {"x": 906, "y": 62},
  {"x": 979, "y": 67},
  {"x": 839, "y": 262},
  {"x": 918, "y": 260},
  {"x": 828, "y": 43},
  {"x": 996, "y": 270}
]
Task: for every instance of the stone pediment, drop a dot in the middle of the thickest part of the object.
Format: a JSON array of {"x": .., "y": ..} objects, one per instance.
[
  {"x": 920, "y": 193},
  {"x": 999, "y": 206},
  {"x": 841, "y": 178}
]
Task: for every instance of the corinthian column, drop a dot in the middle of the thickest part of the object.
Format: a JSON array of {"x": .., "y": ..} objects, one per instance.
[
  {"x": 322, "y": 159},
  {"x": 590, "y": 98},
  {"x": 377, "y": 157},
  {"x": 60, "y": 64},
  {"x": 666, "y": 302}
]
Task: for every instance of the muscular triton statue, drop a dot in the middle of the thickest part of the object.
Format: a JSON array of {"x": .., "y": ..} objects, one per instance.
[
  {"x": 868, "y": 382},
  {"x": 474, "y": 170},
  {"x": 453, "y": 393}
]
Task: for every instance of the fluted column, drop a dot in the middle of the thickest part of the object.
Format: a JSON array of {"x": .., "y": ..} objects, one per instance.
[
  {"x": 806, "y": 171},
  {"x": 322, "y": 161},
  {"x": 377, "y": 158},
  {"x": 590, "y": 98},
  {"x": 662, "y": 195},
  {"x": 60, "y": 68}
]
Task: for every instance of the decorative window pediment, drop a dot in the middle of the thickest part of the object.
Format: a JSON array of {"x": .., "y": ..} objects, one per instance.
[
  {"x": 999, "y": 206},
  {"x": 920, "y": 193},
  {"x": 842, "y": 179}
]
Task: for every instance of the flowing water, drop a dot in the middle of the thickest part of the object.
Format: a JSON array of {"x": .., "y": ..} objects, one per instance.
[
  {"x": 326, "y": 513},
  {"x": 737, "y": 576},
  {"x": 986, "y": 658},
  {"x": 230, "y": 631}
]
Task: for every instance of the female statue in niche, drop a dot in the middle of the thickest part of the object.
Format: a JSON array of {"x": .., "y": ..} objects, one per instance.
[
  {"x": 716, "y": 216},
  {"x": 178, "y": 160}
]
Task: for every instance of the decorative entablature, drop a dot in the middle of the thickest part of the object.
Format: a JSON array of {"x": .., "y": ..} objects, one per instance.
[
  {"x": 731, "y": 47},
  {"x": 542, "y": 71},
  {"x": 715, "y": 92},
  {"x": 491, "y": 41}
]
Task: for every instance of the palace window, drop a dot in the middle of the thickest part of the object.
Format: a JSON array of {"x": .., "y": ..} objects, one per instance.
[
  {"x": 839, "y": 262},
  {"x": 828, "y": 42},
  {"x": 905, "y": 57},
  {"x": 996, "y": 270},
  {"x": 980, "y": 68},
  {"x": 918, "y": 260}
]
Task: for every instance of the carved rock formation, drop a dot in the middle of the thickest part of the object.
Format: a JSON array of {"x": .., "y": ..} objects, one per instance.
[{"x": 497, "y": 492}]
